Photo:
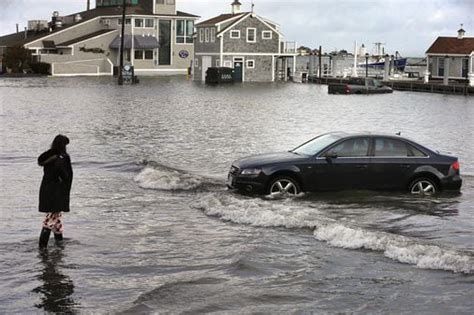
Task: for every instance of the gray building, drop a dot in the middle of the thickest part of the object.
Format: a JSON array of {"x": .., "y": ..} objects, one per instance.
[
  {"x": 158, "y": 39},
  {"x": 251, "y": 44}
]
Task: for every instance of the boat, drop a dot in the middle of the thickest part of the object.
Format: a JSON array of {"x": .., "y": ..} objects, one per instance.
[{"x": 399, "y": 64}]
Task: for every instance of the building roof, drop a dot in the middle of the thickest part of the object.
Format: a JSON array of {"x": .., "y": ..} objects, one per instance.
[
  {"x": 82, "y": 38},
  {"x": 452, "y": 45},
  {"x": 220, "y": 18},
  {"x": 19, "y": 38},
  {"x": 16, "y": 39},
  {"x": 234, "y": 22}
]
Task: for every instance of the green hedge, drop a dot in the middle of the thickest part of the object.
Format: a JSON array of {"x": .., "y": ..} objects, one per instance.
[{"x": 41, "y": 68}]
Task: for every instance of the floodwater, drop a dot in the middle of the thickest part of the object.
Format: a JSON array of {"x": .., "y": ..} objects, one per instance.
[{"x": 152, "y": 227}]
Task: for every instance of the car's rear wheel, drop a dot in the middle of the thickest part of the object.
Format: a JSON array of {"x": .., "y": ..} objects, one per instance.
[
  {"x": 283, "y": 186},
  {"x": 423, "y": 186}
]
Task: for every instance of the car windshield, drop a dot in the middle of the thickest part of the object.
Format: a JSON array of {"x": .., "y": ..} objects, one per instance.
[{"x": 314, "y": 146}]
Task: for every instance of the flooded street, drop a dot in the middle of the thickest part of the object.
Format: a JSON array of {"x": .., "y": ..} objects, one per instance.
[{"x": 152, "y": 227}]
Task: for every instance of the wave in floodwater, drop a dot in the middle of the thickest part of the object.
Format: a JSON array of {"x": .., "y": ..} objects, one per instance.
[
  {"x": 295, "y": 214},
  {"x": 291, "y": 214},
  {"x": 161, "y": 177}
]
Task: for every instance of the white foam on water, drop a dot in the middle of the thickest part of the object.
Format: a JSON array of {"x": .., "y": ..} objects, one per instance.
[
  {"x": 258, "y": 212},
  {"x": 293, "y": 214},
  {"x": 396, "y": 247},
  {"x": 167, "y": 179}
]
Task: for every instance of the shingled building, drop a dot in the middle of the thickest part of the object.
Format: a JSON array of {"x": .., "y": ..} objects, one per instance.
[{"x": 250, "y": 44}]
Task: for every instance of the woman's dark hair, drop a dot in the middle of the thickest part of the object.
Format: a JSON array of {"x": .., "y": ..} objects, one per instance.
[{"x": 59, "y": 144}]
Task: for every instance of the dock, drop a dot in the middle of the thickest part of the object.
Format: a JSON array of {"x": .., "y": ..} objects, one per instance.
[{"x": 413, "y": 86}]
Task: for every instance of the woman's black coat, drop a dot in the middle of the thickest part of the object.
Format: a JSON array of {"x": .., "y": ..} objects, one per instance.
[{"x": 56, "y": 184}]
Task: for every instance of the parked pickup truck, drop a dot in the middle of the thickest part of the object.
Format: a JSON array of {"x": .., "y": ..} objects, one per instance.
[{"x": 359, "y": 86}]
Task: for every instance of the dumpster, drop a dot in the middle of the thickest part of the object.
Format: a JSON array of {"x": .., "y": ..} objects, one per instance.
[{"x": 216, "y": 75}]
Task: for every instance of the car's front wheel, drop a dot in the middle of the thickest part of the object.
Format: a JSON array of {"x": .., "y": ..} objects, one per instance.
[
  {"x": 283, "y": 186},
  {"x": 423, "y": 186}
]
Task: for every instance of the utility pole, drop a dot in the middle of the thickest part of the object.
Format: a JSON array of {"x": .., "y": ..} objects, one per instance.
[
  {"x": 120, "y": 74},
  {"x": 320, "y": 59}
]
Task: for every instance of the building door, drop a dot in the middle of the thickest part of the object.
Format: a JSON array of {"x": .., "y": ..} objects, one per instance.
[
  {"x": 206, "y": 63},
  {"x": 238, "y": 69}
]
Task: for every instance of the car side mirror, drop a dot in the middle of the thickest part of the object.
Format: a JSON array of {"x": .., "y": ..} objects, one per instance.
[{"x": 330, "y": 156}]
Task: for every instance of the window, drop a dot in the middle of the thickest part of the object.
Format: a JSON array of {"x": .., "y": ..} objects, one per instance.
[
  {"x": 228, "y": 63},
  {"x": 235, "y": 34},
  {"x": 143, "y": 54},
  {"x": 164, "y": 54},
  {"x": 267, "y": 34},
  {"x": 138, "y": 54},
  {"x": 149, "y": 54},
  {"x": 464, "y": 67},
  {"x": 412, "y": 151},
  {"x": 127, "y": 21},
  {"x": 201, "y": 35},
  {"x": 149, "y": 23},
  {"x": 441, "y": 66},
  {"x": 213, "y": 35},
  {"x": 138, "y": 22},
  {"x": 171, "y": 2},
  {"x": 356, "y": 147},
  {"x": 218, "y": 63},
  {"x": 196, "y": 63},
  {"x": 160, "y": 1},
  {"x": 106, "y": 3},
  {"x": 184, "y": 31},
  {"x": 251, "y": 38},
  {"x": 250, "y": 64},
  {"x": 206, "y": 35},
  {"x": 390, "y": 147}
]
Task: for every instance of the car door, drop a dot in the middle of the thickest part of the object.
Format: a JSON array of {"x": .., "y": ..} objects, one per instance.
[
  {"x": 342, "y": 166},
  {"x": 391, "y": 165}
]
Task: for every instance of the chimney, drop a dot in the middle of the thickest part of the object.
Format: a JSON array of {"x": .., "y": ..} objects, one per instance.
[
  {"x": 236, "y": 7},
  {"x": 17, "y": 29},
  {"x": 461, "y": 33},
  {"x": 88, "y": 5},
  {"x": 26, "y": 32}
]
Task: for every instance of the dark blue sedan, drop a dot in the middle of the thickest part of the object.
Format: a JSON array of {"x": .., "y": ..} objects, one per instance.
[{"x": 342, "y": 161}]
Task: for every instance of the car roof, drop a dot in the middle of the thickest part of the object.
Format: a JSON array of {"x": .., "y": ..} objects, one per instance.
[{"x": 344, "y": 134}]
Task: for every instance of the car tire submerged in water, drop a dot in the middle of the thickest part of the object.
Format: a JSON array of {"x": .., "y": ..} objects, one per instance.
[
  {"x": 283, "y": 185},
  {"x": 423, "y": 186}
]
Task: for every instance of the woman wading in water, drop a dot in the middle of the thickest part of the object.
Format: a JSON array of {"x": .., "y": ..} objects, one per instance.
[{"x": 55, "y": 189}]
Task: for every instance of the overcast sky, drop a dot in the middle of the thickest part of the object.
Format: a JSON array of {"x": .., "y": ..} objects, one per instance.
[{"x": 409, "y": 26}]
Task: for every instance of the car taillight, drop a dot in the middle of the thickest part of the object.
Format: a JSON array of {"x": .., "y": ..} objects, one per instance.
[
  {"x": 455, "y": 166},
  {"x": 348, "y": 89}
]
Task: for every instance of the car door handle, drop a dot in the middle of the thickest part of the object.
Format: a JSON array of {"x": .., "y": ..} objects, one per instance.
[{"x": 362, "y": 166}]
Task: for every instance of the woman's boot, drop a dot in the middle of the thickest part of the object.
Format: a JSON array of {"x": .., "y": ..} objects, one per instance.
[
  {"x": 44, "y": 238},
  {"x": 58, "y": 237}
]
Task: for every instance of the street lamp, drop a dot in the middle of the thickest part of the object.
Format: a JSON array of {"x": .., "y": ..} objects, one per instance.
[{"x": 366, "y": 65}]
